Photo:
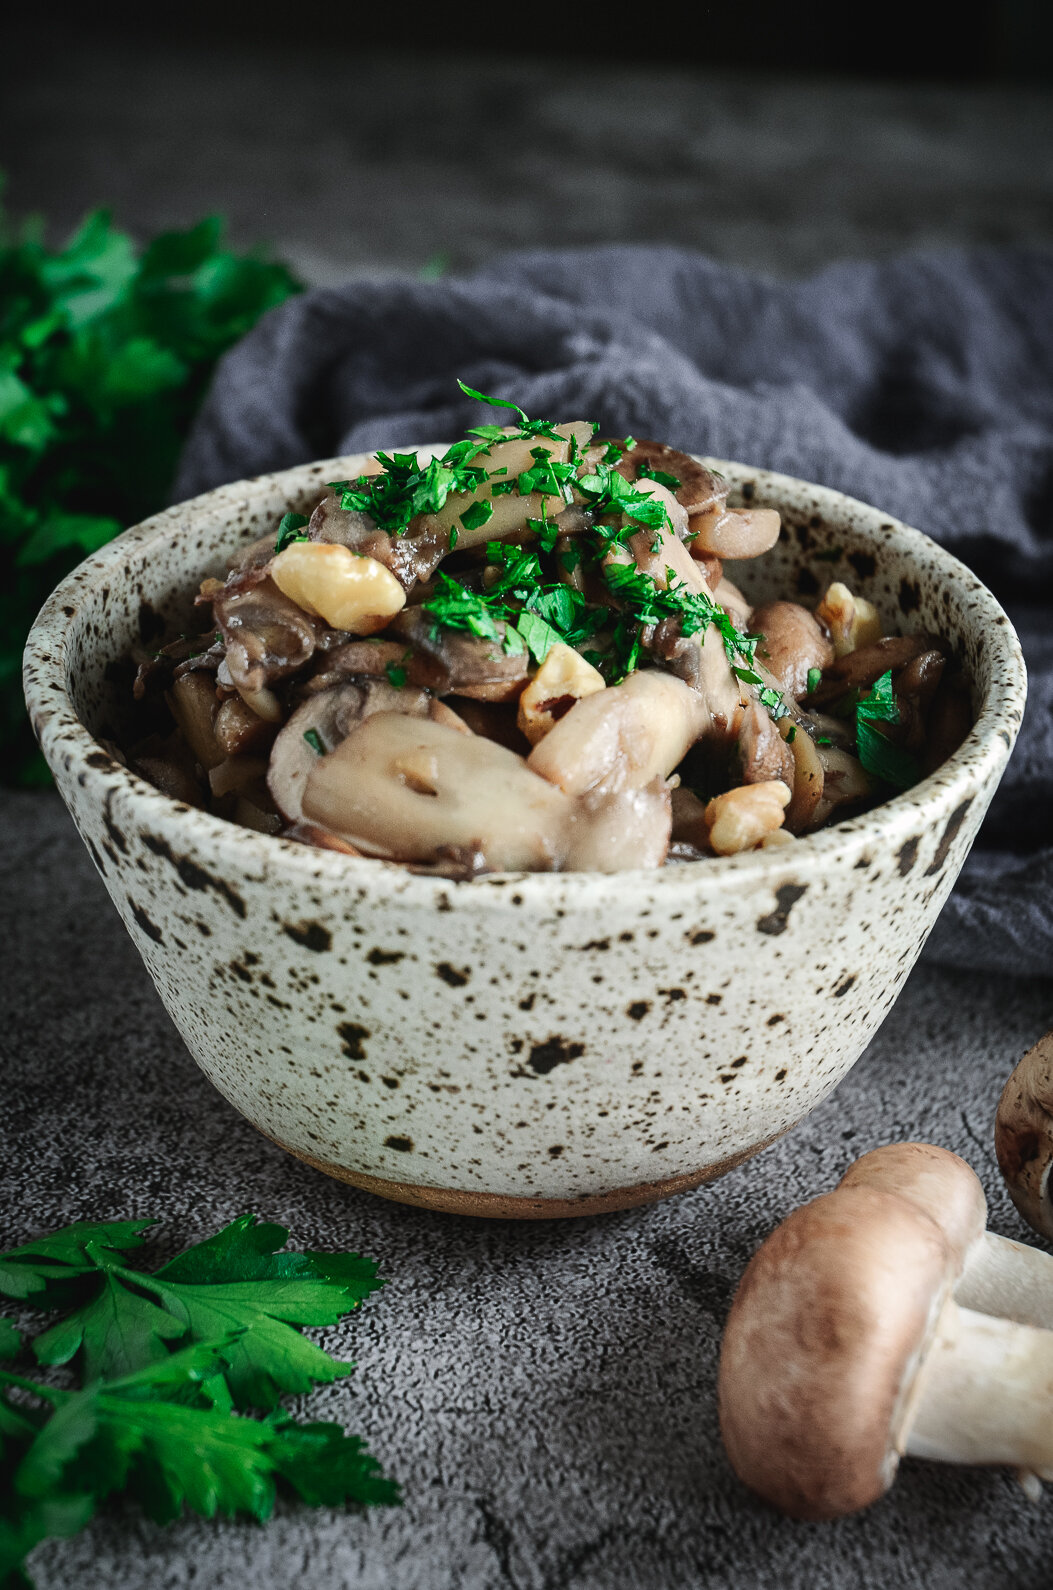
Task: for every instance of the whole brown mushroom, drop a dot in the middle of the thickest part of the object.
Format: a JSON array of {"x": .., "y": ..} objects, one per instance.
[
  {"x": 1024, "y": 1135},
  {"x": 846, "y": 1348}
]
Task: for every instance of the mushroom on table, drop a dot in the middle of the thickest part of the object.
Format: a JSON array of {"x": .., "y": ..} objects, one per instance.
[
  {"x": 849, "y": 1345},
  {"x": 1024, "y": 1135}
]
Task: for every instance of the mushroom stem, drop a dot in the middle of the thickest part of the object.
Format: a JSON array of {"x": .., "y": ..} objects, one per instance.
[
  {"x": 983, "y": 1394},
  {"x": 1008, "y": 1278}
]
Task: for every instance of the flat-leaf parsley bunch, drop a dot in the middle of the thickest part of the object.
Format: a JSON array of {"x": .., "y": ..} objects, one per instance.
[
  {"x": 171, "y": 1362},
  {"x": 105, "y": 352}
]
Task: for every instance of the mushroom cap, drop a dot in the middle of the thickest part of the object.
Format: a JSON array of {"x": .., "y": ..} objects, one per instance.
[
  {"x": 1024, "y": 1135},
  {"x": 698, "y": 488},
  {"x": 822, "y": 1346},
  {"x": 935, "y": 1181}
]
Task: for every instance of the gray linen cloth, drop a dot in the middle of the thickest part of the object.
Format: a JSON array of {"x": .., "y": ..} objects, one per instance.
[{"x": 924, "y": 386}]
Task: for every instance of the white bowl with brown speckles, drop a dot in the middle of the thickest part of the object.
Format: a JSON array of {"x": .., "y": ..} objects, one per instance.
[{"x": 530, "y": 1044}]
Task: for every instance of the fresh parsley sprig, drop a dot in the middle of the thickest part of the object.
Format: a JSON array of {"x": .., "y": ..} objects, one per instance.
[
  {"x": 105, "y": 352},
  {"x": 168, "y": 1358}
]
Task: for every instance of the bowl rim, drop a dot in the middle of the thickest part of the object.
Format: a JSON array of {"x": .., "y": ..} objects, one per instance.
[{"x": 68, "y": 744}]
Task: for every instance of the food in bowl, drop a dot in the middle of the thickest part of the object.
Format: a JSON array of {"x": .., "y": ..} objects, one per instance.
[
  {"x": 525, "y": 655},
  {"x": 518, "y": 1044}
]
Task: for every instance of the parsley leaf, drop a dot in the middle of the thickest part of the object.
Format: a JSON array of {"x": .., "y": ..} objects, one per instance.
[
  {"x": 165, "y": 1430},
  {"x": 289, "y": 530},
  {"x": 237, "y": 1282},
  {"x": 879, "y": 755},
  {"x": 105, "y": 354}
]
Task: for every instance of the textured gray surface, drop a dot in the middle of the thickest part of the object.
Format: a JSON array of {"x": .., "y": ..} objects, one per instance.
[{"x": 544, "y": 1393}]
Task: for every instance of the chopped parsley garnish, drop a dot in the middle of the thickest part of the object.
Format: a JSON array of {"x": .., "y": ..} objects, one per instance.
[
  {"x": 314, "y": 740},
  {"x": 289, "y": 530},
  {"x": 671, "y": 482},
  {"x": 879, "y": 756},
  {"x": 815, "y": 679},
  {"x": 474, "y": 517},
  {"x": 408, "y": 487},
  {"x": 396, "y": 674},
  {"x": 524, "y": 608}
]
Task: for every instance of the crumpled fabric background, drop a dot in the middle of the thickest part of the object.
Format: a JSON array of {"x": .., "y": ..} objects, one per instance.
[{"x": 924, "y": 386}]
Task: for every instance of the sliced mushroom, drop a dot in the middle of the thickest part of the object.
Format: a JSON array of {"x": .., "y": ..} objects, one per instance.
[
  {"x": 623, "y": 737},
  {"x": 417, "y": 553},
  {"x": 845, "y": 782},
  {"x": 808, "y": 777},
  {"x": 267, "y": 638},
  {"x": 406, "y": 788},
  {"x": 734, "y": 532},
  {"x": 793, "y": 644},
  {"x": 731, "y": 600},
  {"x": 949, "y": 721},
  {"x": 466, "y": 664},
  {"x": 763, "y": 753},
  {"x": 689, "y": 820},
  {"x": 238, "y": 729},
  {"x": 324, "y": 721},
  {"x": 620, "y": 829},
  {"x": 193, "y": 704},
  {"x": 858, "y": 669},
  {"x": 698, "y": 488}
]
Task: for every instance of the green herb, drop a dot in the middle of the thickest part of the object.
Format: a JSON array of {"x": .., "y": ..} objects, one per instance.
[
  {"x": 477, "y": 515},
  {"x": 880, "y": 756},
  {"x": 671, "y": 482},
  {"x": 167, "y": 1356},
  {"x": 289, "y": 530},
  {"x": 454, "y": 607},
  {"x": 494, "y": 433},
  {"x": 406, "y": 487},
  {"x": 396, "y": 674},
  {"x": 772, "y": 700},
  {"x": 314, "y": 740},
  {"x": 105, "y": 354},
  {"x": 791, "y": 735},
  {"x": 539, "y": 636},
  {"x": 815, "y": 679}
]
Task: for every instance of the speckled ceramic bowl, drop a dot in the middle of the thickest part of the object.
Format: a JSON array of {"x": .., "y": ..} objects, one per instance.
[{"x": 520, "y": 1045}]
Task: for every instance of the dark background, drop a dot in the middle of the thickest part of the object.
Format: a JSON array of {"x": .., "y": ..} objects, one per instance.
[{"x": 777, "y": 137}]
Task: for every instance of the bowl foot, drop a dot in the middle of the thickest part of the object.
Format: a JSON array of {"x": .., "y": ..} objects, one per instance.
[{"x": 502, "y": 1206}]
